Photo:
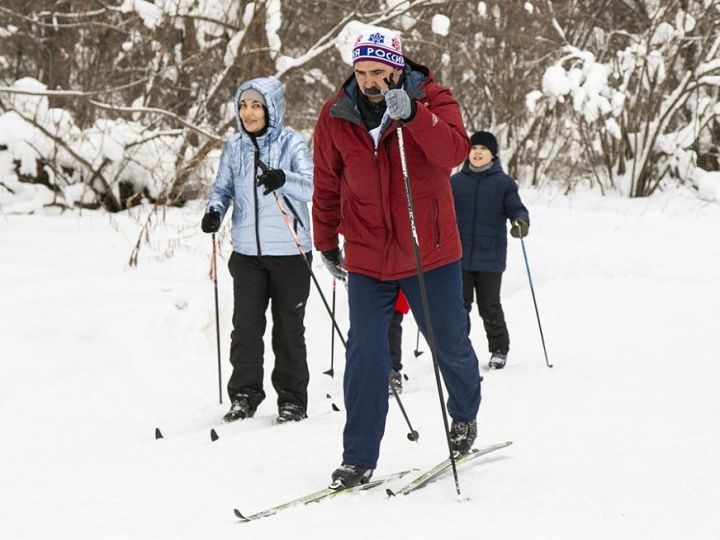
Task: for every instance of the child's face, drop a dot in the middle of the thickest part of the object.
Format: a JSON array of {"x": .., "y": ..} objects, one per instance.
[{"x": 480, "y": 156}]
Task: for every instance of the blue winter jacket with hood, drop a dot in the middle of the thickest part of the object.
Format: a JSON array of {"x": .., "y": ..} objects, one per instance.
[
  {"x": 258, "y": 227},
  {"x": 484, "y": 201}
]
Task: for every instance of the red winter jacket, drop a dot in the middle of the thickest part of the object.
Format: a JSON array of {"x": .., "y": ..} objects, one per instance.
[{"x": 360, "y": 190}]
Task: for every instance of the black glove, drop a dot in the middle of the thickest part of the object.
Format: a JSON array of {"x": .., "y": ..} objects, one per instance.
[
  {"x": 519, "y": 228},
  {"x": 271, "y": 179},
  {"x": 335, "y": 263},
  {"x": 211, "y": 221}
]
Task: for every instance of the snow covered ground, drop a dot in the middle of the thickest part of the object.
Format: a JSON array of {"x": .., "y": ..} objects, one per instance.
[{"x": 619, "y": 440}]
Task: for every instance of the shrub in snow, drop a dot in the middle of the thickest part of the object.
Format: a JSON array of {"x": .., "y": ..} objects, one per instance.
[
  {"x": 112, "y": 163},
  {"x": 639, "y": 110}
]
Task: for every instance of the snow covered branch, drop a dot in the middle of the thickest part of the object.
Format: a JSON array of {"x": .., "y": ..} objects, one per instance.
[
  {"x": 328, "y": 40},
  {"x": 162, "y": 112},
  {"x": 109, "y": 107}
]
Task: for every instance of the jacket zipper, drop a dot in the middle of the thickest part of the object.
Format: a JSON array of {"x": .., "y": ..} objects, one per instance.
[
  {"x": 474, "y": 215},
  {"x": 255, "y": 196}
]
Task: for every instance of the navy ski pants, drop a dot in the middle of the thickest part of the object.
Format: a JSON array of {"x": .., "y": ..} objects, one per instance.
[{"x": 368, "y": 362}]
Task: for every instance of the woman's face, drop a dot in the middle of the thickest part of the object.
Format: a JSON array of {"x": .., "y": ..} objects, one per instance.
[
  {"x": 252, "y": 115},
  {"x": 480, "y": 156}
]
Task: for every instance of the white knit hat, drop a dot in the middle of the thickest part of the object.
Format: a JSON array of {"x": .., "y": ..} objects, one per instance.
[{"x": 378, "y": 44}]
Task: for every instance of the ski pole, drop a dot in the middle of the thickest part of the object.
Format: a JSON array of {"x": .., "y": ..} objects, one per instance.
[
  {"x": 537, "y": 313},
  {"x": 331, "y": 371},
  {"x": 413, "y": 435},
  {"x": 423, "y": 297},
  {"x": 217, "y": 314},
  {"x": 417, "y": 350},
  {"x": 288, "y": 224}
]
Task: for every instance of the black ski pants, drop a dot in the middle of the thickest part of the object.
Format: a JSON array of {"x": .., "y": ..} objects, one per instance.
[
  {"x": 283, "y": 281},
  {"x": 485, "y": 288}
]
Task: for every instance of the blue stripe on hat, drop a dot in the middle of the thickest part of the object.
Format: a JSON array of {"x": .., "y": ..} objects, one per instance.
[{"x": 378, "y": 53}]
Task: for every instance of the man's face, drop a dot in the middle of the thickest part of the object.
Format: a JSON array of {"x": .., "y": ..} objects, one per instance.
[
  {"x": 480, "y": 156},
  {"x": 371, "y": 77}
]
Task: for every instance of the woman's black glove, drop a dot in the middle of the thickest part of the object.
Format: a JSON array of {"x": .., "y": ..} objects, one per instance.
[
  {"x": 271, "y": 180},
  {"x": 211, "y": 221}
]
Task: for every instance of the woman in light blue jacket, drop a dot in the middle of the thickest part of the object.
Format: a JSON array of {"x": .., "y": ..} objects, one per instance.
[{"x": 264, "y": 166}]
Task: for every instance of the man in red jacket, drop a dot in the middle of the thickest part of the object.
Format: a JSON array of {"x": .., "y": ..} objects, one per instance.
[{"x": 359, "y": 189}]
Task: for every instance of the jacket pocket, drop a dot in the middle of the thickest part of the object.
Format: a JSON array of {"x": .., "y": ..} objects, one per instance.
[{"x": 436, "y": 215}]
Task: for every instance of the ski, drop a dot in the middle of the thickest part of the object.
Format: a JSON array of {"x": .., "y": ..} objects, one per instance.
[
  {"x": 432, "y": 474},
  {"x": 320, "y": 495}
]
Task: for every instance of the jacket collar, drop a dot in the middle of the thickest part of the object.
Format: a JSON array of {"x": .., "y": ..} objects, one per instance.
[{"x": 494, "y": 168}]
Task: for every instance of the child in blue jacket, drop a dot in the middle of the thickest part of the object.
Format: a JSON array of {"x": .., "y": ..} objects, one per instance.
[{"x": 485, "y": 198}]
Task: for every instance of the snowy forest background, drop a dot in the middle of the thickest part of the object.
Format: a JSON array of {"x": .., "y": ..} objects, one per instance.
[
  {"x": 115, "y": 103},
  {"x": 112, "y": 118}
]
